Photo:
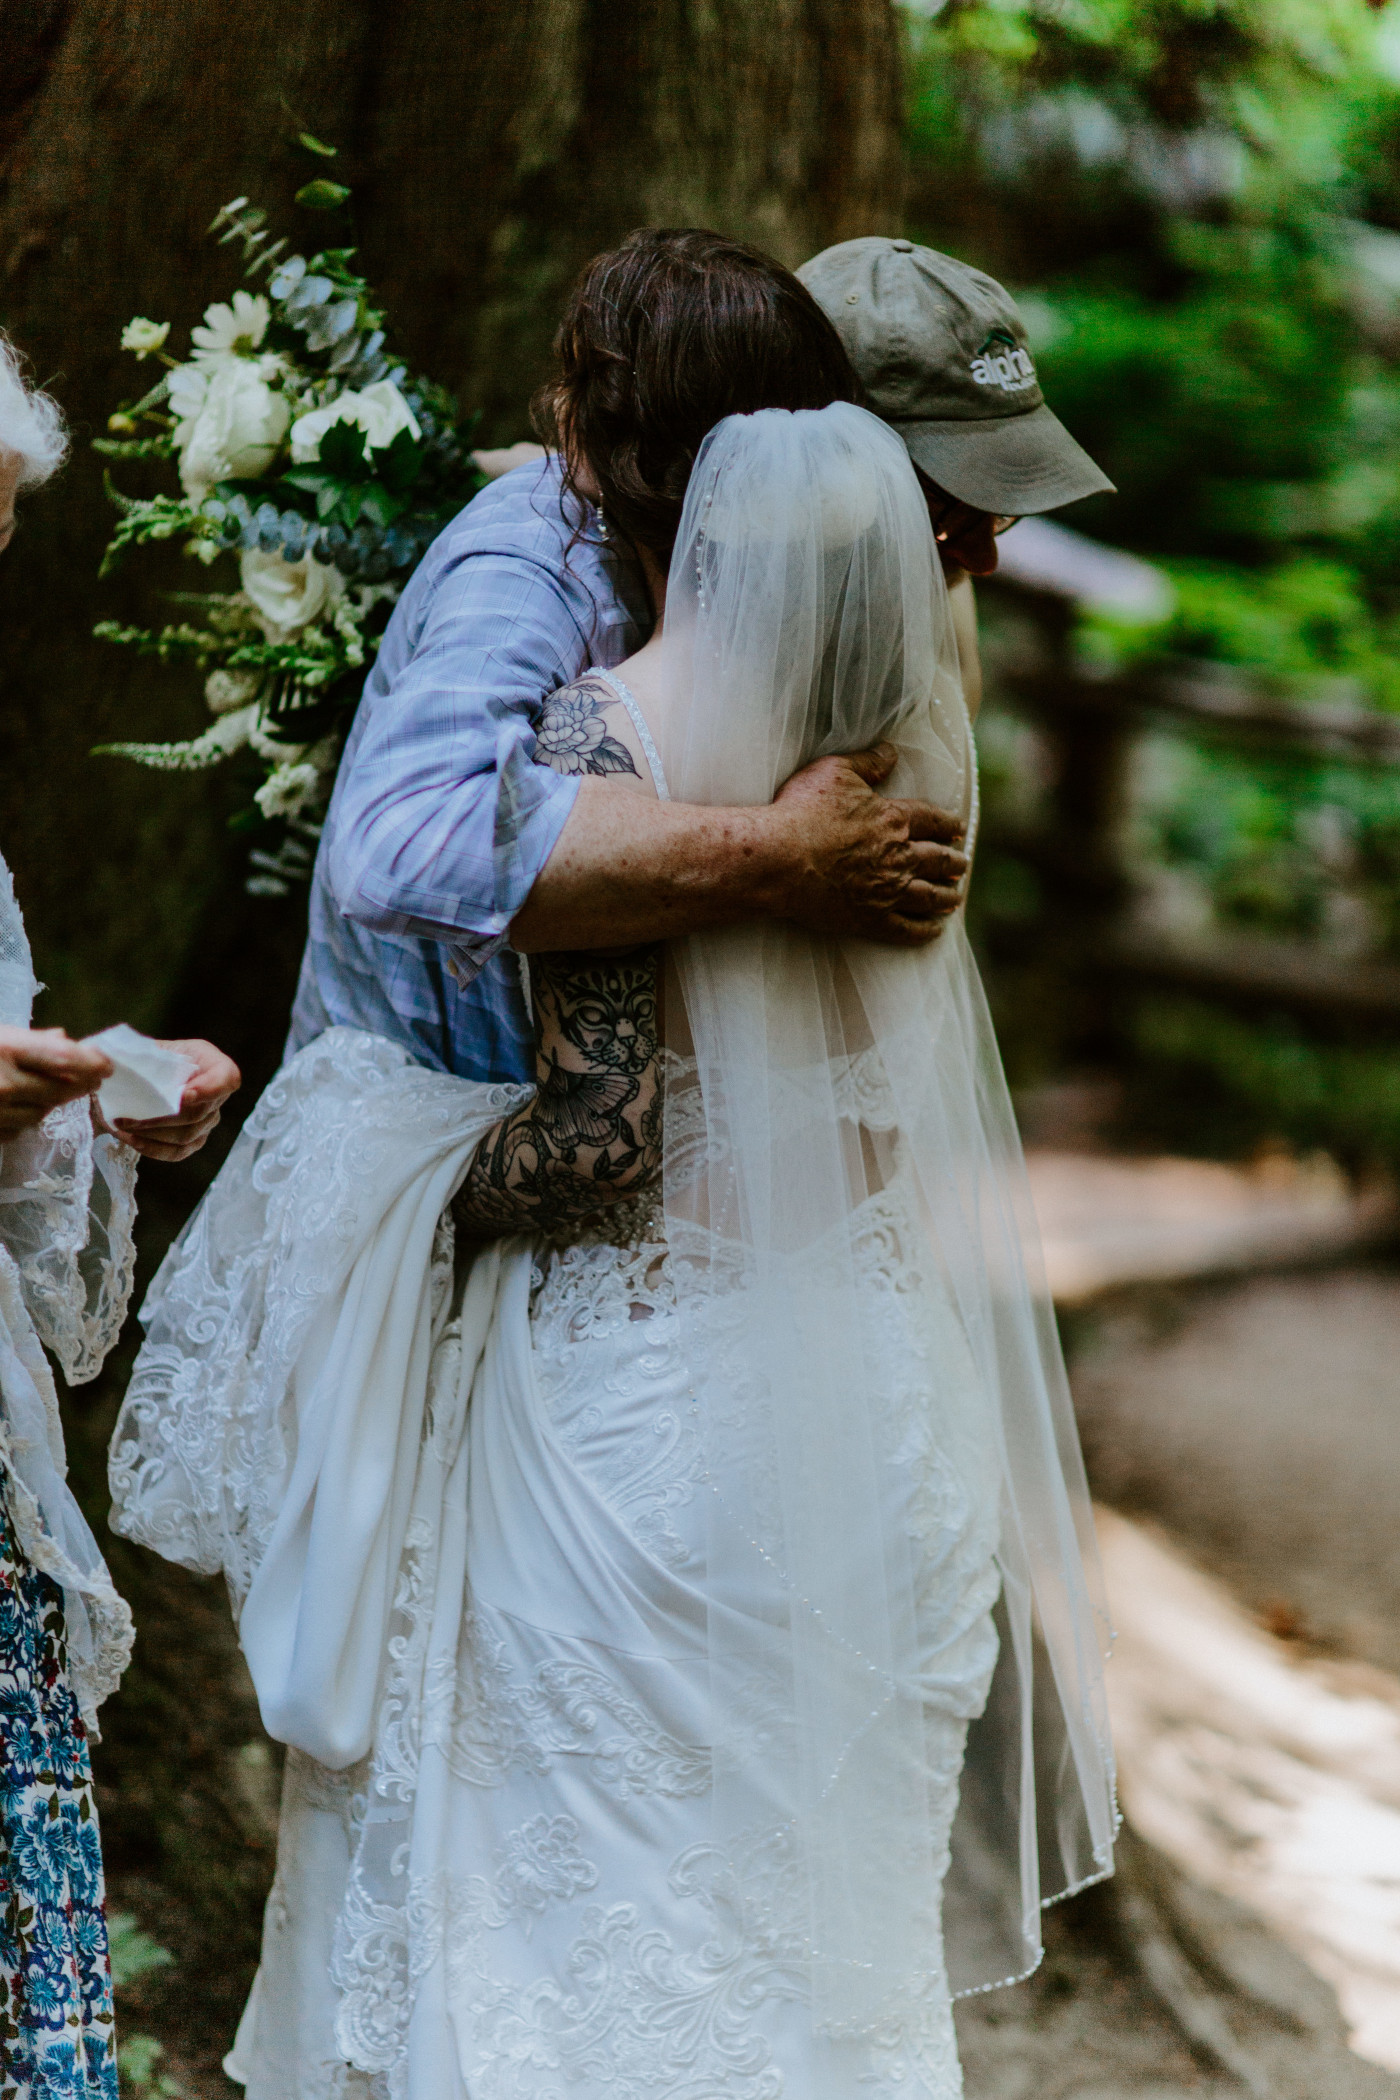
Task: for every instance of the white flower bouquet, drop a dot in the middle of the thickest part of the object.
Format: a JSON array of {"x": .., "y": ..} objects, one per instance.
[{"x": 305, "y": 450}]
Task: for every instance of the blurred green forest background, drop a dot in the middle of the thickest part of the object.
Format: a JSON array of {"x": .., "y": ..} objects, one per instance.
[{"x": 1197, "y": 203}]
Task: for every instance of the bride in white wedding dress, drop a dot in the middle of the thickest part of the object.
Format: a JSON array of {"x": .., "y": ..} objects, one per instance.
[{"x": 646, "y": 1494}]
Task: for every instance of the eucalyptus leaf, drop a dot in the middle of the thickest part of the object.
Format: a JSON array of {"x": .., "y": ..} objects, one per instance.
[
  {"x": 331, "y": 323},
  {"x": 309, "y": 292},
  {"x": 322, "y": 195},
  {"x": 287, "y": 276},
  {"x": 344, "y": 354}
]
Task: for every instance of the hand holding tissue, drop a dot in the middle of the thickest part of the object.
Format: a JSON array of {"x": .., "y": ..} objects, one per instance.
[{"x": 146, "y": 1079}]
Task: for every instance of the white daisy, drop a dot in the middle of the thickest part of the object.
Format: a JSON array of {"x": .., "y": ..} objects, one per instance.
[
  {"x": 287, "y": 791},
  {"x": 144, "y": 336},
  {"x": 231, "y": 331}
]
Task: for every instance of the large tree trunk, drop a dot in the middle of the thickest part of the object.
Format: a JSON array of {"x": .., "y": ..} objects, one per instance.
[{"x": 492, "y": 147}]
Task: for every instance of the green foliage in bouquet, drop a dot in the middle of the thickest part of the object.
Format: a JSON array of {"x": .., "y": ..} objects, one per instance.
[{"x": 305, "y": 449}]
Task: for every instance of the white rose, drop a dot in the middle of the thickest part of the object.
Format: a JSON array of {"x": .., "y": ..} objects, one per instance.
[
  {"x": 231, "y": 331},
  {"x": 230, "y": 422},
  {"x": 226, "y": 690},
  {"x": 380, "y": 411},
  {"x": 287, "y": 595},
  {"x": 286, "y": 792},
  {"x": 144, "y": 336}
]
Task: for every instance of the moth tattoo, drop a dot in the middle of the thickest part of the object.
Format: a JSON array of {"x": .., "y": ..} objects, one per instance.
[{"x": 592, "y": 1134}]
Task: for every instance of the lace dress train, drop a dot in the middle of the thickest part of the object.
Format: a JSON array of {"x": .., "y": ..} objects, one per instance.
[{"x": 517, "y": 1894}]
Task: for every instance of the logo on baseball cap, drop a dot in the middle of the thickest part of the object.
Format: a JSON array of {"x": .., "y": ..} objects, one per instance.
[
  {"x": 942, "y": 353},
  {"x": 1002, "y": 362}
]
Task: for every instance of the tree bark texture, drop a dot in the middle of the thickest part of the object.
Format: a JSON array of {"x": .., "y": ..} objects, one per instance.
[{"x": 492, "y": 147}]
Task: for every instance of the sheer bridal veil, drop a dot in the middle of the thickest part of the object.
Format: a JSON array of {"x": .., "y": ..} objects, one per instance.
[{"x": 874, "y": 1363}]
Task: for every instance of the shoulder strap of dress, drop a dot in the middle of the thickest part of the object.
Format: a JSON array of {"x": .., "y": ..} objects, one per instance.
[{"x": 644, "y": 737}]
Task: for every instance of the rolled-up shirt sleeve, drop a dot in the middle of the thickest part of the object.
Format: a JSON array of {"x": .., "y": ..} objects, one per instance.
[{"x": 441, "y": 820}]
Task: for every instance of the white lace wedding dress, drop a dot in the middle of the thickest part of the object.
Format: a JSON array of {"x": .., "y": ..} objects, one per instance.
[
  {"x": 624, "y": 1604},
  {"x": 516, "y": 1894},
  {"x": 513, "y": 1891}
]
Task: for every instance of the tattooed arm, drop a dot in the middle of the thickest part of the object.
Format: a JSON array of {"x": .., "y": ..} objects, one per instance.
[{"x": 592, "y": 1134}]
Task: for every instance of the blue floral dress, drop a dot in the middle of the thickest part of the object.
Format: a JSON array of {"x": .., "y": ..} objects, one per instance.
[{"x": 56, "y": 2027}]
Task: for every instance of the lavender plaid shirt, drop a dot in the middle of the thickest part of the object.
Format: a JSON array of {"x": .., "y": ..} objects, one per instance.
[{"x": 441, "y": 820}]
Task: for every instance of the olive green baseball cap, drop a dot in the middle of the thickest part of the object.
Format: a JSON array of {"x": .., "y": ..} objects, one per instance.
[{"x": 944, "y": 359}]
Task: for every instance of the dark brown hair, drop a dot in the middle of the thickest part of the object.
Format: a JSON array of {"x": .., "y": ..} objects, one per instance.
[{"x": 664, "y": 337}]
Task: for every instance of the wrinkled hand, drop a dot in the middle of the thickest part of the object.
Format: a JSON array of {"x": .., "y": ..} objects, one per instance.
[
  {"x": 867, "y": 865},
  {"x": 40, "y": 1069},
  {"x": 214, "y": 1078}
]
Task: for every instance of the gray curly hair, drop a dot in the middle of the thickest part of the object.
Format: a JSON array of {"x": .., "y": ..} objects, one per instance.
[{"x": 31, "y": 423}]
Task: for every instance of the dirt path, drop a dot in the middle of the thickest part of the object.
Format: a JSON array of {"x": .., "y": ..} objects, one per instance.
[
  {"x": 1267, "y": 1779},
  {"x": 1258, "y": 1422},
  {"x": 1155, "y": 1989}
]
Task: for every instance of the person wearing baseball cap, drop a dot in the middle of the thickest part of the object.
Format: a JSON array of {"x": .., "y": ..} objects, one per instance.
[{"x": 944, "y": 359}]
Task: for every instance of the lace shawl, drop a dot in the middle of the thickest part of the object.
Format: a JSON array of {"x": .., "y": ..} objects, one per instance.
[
  {"x": 67, "y": 1209},
  {"x": 272, "y": 1424}
]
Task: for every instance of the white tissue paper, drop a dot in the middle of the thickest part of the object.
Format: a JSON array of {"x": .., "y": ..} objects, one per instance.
[{"x": 147, "y": 1079}]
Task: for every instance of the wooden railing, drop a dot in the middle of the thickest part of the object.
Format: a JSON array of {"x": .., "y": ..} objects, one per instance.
[{"x": 1090, "y": 726}]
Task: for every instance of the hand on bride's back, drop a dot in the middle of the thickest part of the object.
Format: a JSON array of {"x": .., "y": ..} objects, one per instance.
[{"x": 867, "y": 865}]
